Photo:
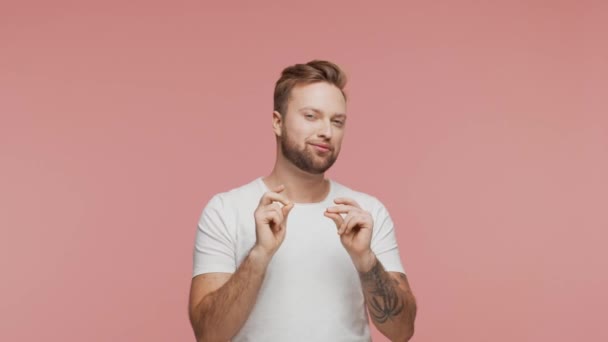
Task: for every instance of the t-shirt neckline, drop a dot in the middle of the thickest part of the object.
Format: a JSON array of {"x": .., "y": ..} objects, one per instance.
[{"x": 326, "y": 200}]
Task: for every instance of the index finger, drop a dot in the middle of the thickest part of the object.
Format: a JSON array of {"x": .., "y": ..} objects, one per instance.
[
  {"x": 271, "y": 196},
  {"x": 347, "y": 200},
  {"x": 342, "y": 208}
]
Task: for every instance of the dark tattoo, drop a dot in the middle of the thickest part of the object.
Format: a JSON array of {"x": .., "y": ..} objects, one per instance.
[{"x": 383, "y": 301}]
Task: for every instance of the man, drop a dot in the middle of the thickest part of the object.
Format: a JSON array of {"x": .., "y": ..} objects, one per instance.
[{"x": 268, "y": 264}]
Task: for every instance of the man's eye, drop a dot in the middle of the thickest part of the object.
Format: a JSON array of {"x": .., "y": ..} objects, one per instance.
[
  {"x": 339, "y": 122},
  {"x": 310, "y": 116}
]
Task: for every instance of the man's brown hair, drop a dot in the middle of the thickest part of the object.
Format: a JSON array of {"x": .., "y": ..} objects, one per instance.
[{"x": 311, "y": 72}]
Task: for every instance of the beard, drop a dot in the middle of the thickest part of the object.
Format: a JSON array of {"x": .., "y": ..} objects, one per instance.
[{"x": 306, "y": 159}]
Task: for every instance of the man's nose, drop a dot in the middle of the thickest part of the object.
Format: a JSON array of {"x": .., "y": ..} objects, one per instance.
[{"x": 326, "y": 130}]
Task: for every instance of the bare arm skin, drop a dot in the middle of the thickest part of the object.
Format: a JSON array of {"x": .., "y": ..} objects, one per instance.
[
  {"x": 220, "y": 303},
  {"x": 390, "y": 301},
  {"x": 388, "y": 296}
]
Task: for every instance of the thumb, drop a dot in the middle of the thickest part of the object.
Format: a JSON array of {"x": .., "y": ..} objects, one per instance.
[
  {"x": 286, "y": 209},
  {"x": 337, "y": 218}
]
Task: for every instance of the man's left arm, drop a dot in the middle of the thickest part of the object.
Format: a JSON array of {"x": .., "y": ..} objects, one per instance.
[{"x": 389, "y": 298}]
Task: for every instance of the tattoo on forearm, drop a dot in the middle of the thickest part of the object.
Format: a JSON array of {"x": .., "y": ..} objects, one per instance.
[{"x": 383, "y": 301}]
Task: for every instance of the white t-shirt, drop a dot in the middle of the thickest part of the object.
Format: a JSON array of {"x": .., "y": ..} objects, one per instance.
[{"x": 311, "y": 290}]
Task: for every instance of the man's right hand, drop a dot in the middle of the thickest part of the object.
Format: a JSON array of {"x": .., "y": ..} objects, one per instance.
[{"x": 271, "y": 220}]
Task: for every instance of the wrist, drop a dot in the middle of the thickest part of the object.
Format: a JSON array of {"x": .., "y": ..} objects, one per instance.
[
  {"x": 364, "y": 262},
  {"x": 259, "y": 254}
]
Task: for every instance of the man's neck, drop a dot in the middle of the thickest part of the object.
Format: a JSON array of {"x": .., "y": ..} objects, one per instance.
[{"x": 300, "y": 186}]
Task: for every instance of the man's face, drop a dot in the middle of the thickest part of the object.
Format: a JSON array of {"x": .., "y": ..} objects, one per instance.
[{"x": 316, "y": 115}]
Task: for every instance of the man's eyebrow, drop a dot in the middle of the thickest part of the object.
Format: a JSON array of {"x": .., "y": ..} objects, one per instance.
[
  {"x": 310, "y": 108},
  {"x": 319, "y": 111}
]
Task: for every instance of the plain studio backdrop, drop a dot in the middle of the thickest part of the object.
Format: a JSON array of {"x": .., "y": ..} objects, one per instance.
[{"x": 482, "y": 126}]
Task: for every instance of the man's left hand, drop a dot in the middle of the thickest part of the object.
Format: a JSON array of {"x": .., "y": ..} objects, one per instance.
[{"x": 355, "y": 230}]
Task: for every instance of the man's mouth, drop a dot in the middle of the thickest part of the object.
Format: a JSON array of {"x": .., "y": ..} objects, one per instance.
[{"x": 321, "y": 147}]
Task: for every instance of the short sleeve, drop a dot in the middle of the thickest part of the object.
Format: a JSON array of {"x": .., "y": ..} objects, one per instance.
[
  {"x": 214, "y": 245},
  {"x": 384, "y": 242}
]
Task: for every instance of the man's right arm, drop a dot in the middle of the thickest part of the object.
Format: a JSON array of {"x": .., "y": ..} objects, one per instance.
[{"x": 220, "y": 303}]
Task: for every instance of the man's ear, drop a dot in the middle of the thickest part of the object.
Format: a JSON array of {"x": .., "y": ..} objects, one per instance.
[{"x": 277, "y": 121}]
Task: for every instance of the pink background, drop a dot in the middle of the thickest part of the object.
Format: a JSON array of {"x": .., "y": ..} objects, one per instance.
[{"x": 482, "y": 127}]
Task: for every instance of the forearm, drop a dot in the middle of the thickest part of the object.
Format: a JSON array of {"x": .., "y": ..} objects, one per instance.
[
  {"x": 222, "y": 313},
  {"x": 392, "y": 308}
]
